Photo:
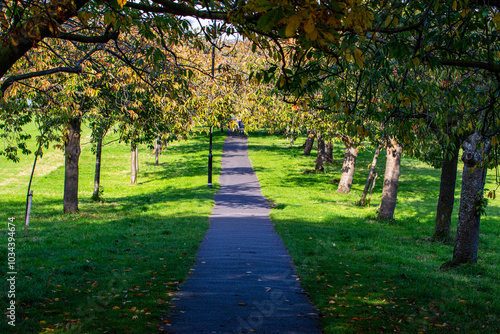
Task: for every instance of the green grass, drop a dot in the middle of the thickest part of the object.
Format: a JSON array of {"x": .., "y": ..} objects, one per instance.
[
  {"x": 367, "y": 275},
  {"x": 113, "y": 266}
]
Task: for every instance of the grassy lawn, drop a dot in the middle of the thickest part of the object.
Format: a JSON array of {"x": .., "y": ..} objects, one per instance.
[
  {"x": 367, "y": 275},
  {"x": 112, "y": 267}
]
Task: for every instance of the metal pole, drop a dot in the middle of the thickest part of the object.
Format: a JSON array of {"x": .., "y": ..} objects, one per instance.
[
  {"x": 28, "y": 212},
  {"x": 210, "y": 161},
  {"x": 29, "y": 195},
  {"x": 210, "y": 146}
]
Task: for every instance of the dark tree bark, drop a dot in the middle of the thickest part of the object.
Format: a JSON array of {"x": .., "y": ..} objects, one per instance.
[
  {"x": 371, "y": 174},
  {"x": 328, "y": 152},
  {"x": 97, "y": 174},
  {"x": 442, "y": 228},
  {"x": 350, "y": 156},
  {"x": 133, "y": 163},
  {"x": 469, "y": 217},
  {"x": 72, "y": 153},
  {"x": 309, "y": 142},
  {"x": 321, "y": 154},
  {"x": 391, "y": 180}
]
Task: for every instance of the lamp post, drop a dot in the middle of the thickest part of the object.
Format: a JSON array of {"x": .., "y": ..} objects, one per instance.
[
  {"x": 210, "y": 146},
  {"x": 210, "y": 161}
]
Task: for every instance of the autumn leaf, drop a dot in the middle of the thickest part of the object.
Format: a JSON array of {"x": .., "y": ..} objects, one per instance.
[
  {"x": 309, "y": 27},
  {"x": 121, "y": 3},
  {"x": 496, "y": 18},
  {"x": 358, "y": 56},
  {"x": 292, "y": 26}
]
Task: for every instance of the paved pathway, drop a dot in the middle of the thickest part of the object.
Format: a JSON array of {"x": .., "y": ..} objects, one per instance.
[{"x": 243, "y": 280}]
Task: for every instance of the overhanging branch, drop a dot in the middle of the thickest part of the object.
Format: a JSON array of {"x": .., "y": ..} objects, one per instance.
[
  {"x": 494, "y": 68},
  {"x": 90, "y": 39},
  {"x": 177, "y": 9},
  {"x": 10, "y": 80}
]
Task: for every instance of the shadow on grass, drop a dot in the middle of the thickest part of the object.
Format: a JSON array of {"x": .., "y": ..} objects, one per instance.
[
  {"x": 74, "y": 272},
  {"x": 368, "y": 275}
]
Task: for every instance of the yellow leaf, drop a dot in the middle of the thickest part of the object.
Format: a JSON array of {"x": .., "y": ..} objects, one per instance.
[
  {"x": 388, "y": 21},
  {"x": 121, "y": 3},
  {"x": 309, "y": 26},
  {"x": 116, "y": 307},
  {"x": 494, "y": 141},
  {"x": 292, "y": 26},
  {"x": 358, "y": 56},
  {"x": 496, "y": 18},
  {"x": 454, "y": 6},
  {"x": 416, "y": 61},
  {"x": 312, "y": 36},
  {"x": 282, "y": 81}
]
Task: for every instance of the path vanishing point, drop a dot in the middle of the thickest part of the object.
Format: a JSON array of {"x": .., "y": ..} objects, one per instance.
[{"x": 243, "y": 280}]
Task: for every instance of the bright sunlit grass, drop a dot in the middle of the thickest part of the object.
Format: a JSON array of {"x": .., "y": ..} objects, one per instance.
[
  {"x": 367, "y": 275},
  {"x": 113, "y": 266}
]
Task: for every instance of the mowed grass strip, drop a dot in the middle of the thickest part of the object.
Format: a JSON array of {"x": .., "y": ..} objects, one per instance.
[
  {"x": 113, "y": 267},
  {"x": 367, "y": 275}
]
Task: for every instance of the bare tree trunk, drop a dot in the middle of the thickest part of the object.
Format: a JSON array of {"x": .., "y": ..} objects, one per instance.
[
  {"x": 321, "y": 154},
  {"x": 350, "y": 156},
  {"x": 158, "y": 146},
  {"x": 97, "y": 174},
  {"x": 133, "y": 163},
  {"x": 442, "y": 228},
  {"x": 309, "y": 142},
  {"x": 137, "y": 158},
  {"x": 72, "y": 152},
  {"x": 374, "y": 181},
  {"x": 469, "y": 217},
  {"x": 371, "y": 174},
  {"x": 328, "y": 152},
  {"x": 391, "y": 180}
]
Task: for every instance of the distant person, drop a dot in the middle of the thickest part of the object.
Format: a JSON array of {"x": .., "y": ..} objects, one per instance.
[{"x": 241, "y": 127}]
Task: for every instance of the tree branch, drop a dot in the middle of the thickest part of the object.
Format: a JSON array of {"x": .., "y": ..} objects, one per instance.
[
  {"x": 494, "y": 68},
  {"x": 177, "y": 9},
  {"x": 90, "y": 39},
  {"x": 66, "y": 69},
  {"x": 12, "y": 79}
]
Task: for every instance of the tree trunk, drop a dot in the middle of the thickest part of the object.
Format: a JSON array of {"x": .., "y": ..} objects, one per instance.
[
  {"x": 133, "y": 163},
  {"x": 374, "y": 181},
  {"x": 442, "y": 228},
  {"x": 309, "y": 142},
  {"x": 473, "y": 180},
  {"x": 97, "y": 174},
  {"x": 72, "y": 153},
  {"x": 137, "y": 159},
  {"x": 321, "y": 154},
  {"x": 328, "y": 152},
  {"x": 371, "y": 174},
  {"x": 157, "y": 150},
  {"x": 391, "y": 180},
  {"x": 350, "y": 156}
]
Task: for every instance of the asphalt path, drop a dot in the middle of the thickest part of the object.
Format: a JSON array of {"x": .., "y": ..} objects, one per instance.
[{"x": 243, "y": 280}]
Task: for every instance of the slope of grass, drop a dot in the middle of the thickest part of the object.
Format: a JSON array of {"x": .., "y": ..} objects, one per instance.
[
  {"x": 366, "y": 275},
  {"x": 112, "y": 267}
]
